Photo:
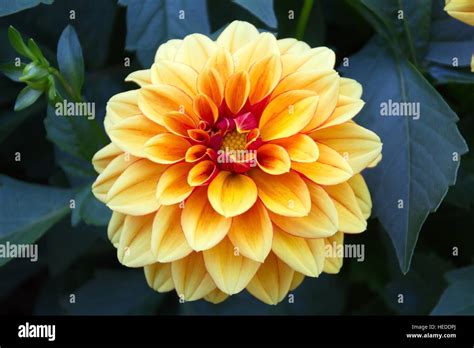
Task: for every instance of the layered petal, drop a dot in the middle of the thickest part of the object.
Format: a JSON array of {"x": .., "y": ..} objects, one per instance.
[
  {"x": 334, "y": 257},
  {"x": 158, "y": 277},
  {"x": 178, "y": 123},
  {"x": 264, "y": 76},
  {"x": 195, "y": 51},
  {"x": 319, "y": 58},
  {"x": 104, "y": 156},
  {"x": 236, "y": 35},
  {"x": 140, "y": 77},
  {"x": 216, "y": 296},
  {"x": 237, "y": 90},
  {"x": 300, "y": 148},
  {"x": 115, "y": 227},
  {"x": 362, "y": 194},
  {"x": 166, "y": 148},
  {"x": 291, "y": 45},
  {"x": 202, "y": 173},
  {"x": 264, "y": 45},
  {"x": 134, "y": 247},
  {"x": 167, "y": 51},
  {"x": 121, "y": 106},
  {"x": 273, "y": 159},
  {"x": 172, "y": 186},
  {"x": 210, "y": 83},
  {"x": 175, "y": 74}
]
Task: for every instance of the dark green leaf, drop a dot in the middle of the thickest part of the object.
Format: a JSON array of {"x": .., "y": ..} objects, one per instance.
[
  {"x": 262, "y": 9},
  {"x": 70, "y": 61},
  {"x": 89, "y": 209},
  {"x": 12, "y": 71},
  {"x": 153, "y": 22},
  {"x": 29, "y": 210},
  {"x": 8, "y": 7},
  {"x": 34, "y": 48},
  {"x": 26, "y": 97},
  {"x": 420, "y": 156}
]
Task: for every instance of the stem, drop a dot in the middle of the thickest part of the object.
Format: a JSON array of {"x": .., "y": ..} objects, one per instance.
[
  {"x": 303, "y": 20},
  {"x": 66, "y": 86}
]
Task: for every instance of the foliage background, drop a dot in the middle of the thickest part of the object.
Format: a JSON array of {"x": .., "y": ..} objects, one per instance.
[{"x": 388, "y": 56}]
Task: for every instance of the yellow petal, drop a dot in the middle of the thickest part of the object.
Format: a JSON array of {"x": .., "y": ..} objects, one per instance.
[
  {"x": 252, "y": 233},
  {"x": 375, "y": 161},
  {"x": 350, "y": 88},
  {"x": 222, "y": 62},
  {"x": 362, "y": 194},
  {"x": 231, "y": 194},
  {"x": 202, "y": 173},
  {"x": 320, "y": 58},
  {"x": 121, "y": 106},
  {"x": 326, "y": 85},
  {"x": 273, "y": 159},
  {"x": 264, "y": 45},
  {"x": 287, "y": 114},
  {"x": 351, "y": 219},
  {"x": 202, "y": 225},
  {"x": 158, "y": 277},
  {"x": 172, "y": 186},
  {"x": 115, "y": 227},
  {"x": 134, "y": 248},
  {"x": 157, "y": 100},
  {"x": 236, "y": 35},
  {"x": 292, "y": 46},
  {"x": 297, "y": 280},
  {"x": 462, "y": 10},
  {"x": 195, "y": 51},
  {"x": 272, "y": 281},
  {"x": 110, "y": 174},
  {"x": 167, "y": 51},
  {"x": 175, "y": 74},
  {"x": 330, "y": 168},
  {"x": 134, "y": 192},
  {"x": 333, "y": 263},
  {"x": 264, "y": 76},
  {"x": 237, "y": 90},
  {"x": 178, "y": 123},
  {"x": 322, "y": 220},
  {"x": 140, "y": 77},
  {"x": 211, "y": 84},
  {"x": 131, "y": 134},
  {"x": 285, "y": 194},
  {"x": 303, "y": 255},
  {"x": 216, "y": 296},
  {"x": 358, "y": 145},
  {"x": 346, "y": 109},
  {"x": 300, "y": 148},
  {"x": 166, "y": 148},
  {"x": 190, "y": 277},
  {"x": 167, "y": 240},
  {"x": 230, "y": 271},
  {"x": 104, "y": 156}
]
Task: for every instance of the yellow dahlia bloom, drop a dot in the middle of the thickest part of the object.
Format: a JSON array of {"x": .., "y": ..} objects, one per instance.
[
  {"x": 462, "y": 10},
  {"x": 235, "y": 165}
]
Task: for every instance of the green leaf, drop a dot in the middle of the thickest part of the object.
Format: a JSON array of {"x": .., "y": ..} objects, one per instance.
[
  {"x": 443, "y": 74},
  {"x": 153, "y": 22},
  {"x": 8, "y": 7},
  {"x": 89, "y": 209},
  {"x": 26, "y": 97},
  {"x": 29, "y": 210},
  {"x": 70, "y": 61},
  {"x": 262, "y": 9},
  {"x": 458, "y": 298},
  {"x": 12, "y": 71},
  {"x": 419, "y": 155},
  {"x": 18, "y": 44},
  {"x": 34, "y": 48}
]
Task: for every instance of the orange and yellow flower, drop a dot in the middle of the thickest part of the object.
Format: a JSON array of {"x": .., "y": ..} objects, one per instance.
[
  {"x": 236, "y": 165},
  {"x": 462, "y": 10}
]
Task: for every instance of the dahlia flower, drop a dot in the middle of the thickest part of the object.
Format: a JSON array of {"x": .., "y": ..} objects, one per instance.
[
  {"x": 235, "y": 165},
  {"x": 462, "y": 10}
]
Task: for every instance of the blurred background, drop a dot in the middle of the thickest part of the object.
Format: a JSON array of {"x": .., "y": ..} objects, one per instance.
[{"x": 75, "y": 257}]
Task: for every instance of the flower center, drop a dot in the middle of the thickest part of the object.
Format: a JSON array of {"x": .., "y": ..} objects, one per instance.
[{"x": 234, "y": 141}]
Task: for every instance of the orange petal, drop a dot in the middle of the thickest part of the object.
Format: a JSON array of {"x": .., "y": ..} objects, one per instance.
[
  {"x": 231, "y": 194},
  {"x": 211, "y": 84},
  {"x": 237, "y": 91},
  {"x": 166, "y": 148},
  {"x": 156, "y": 101},
  {"x": 196, "y": 153},
  {"x": 167, "y": 239},
  {"x": 140, "y": 77},
  {"x": 351, "y": 219},
  {"x": 202, "y": 173},
  {"x": 195, "y": 51},
  {"x": 205, "y": 108},
  {"x": 285, "y": 194},
  {"x": 272, "y": 281},
  {"x": 175, "y": 74},
  {"x": 302, "y": 254},
  {"x": 252, "y": 233},
  {"x": 319, "y": 58},
  {"x": 264, "y": 76},
  {"x": 287, "y": 114},
  {"x": 230, "y": 271},
  {"x": 236, "y": 35},
  {"x": 178, "y": 123},
  {"x": 104, "y": 156},
  {"x": 158, "y": 277},
  {"x": 222, "y": 62},
  {"x": 322, "y": 221},
  {"x": 202, "y": 225},
  {"x": 273, "y": 159},
  {"x": 330, "y": 169},
  {"x": 333, "y": 263},
  {"x": 300, "y": 148},
  {"x": 190, "y": 278},
  {"x": 134, "y": 248},
  {"x": 134, "y": 192},
  {"x": 173, "y": 187},
  {"x": 255, "y": 50},
  {"x": 131, "y": 134}
]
